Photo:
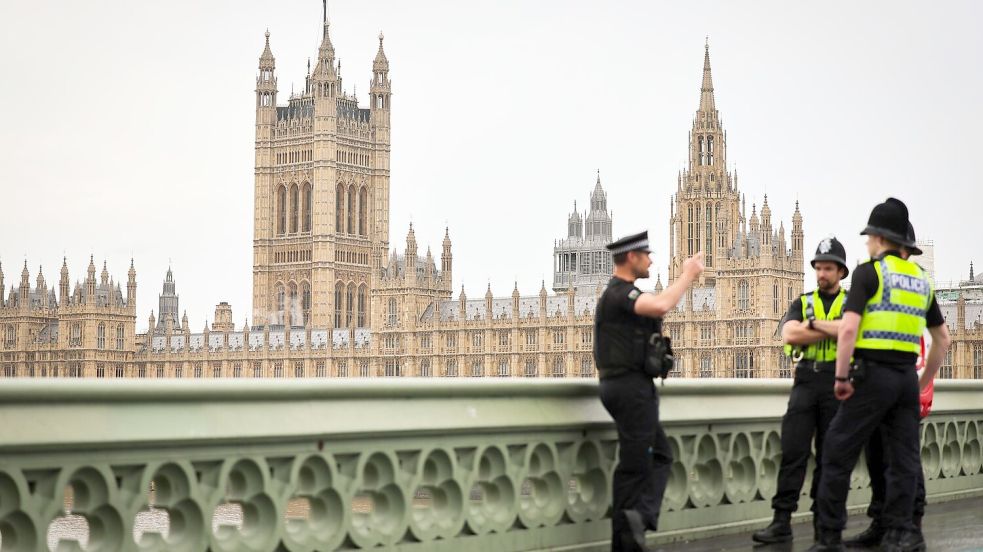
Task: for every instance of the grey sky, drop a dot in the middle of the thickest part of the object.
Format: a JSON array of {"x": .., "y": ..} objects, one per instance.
[{"x": 128, "y": 126}]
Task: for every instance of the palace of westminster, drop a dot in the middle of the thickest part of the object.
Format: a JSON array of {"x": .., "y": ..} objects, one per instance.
[{"x": 330, "y": 299}]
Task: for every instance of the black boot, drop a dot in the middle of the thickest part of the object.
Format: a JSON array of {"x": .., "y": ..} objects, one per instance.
[
  {"x": 828, "y": 541},
  {"x": 871, "y": 537},
  {"x": 633, "y": 536},
  {"x": 780, "y": 529},
  {"x": 903, "y": 540}
]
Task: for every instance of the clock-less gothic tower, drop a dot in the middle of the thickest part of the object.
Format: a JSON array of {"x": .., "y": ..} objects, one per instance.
[{"x": 321, "y": 196}]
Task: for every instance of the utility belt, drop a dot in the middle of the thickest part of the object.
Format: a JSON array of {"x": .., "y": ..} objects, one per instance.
[
  {"x": 659, "y": 360},
  {"x": 861, "y": 367},
  {"x": 816, "y": 366}
]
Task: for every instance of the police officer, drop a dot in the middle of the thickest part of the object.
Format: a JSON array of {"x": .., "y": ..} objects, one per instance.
[
  {"x": 624, "y": 321},
  {"x": 876, "y": 464},
  {"x": 890, "y": 304},
  {"x": 809, "y": 331}
]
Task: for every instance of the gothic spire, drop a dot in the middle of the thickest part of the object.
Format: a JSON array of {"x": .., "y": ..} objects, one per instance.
[
  {"x": 706, "y": 90},
  {"x": 380, "y": 63},
  {"x": 267, "y": 55},
  {"x": 326, "y": 50}
]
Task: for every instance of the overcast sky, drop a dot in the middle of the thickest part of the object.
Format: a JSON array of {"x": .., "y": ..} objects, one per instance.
[{"x": 128, "y": 126}]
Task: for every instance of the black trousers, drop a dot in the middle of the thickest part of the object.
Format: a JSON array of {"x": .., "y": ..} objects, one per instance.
[
  {"x": 811, "y": 408},
  {"x": 876, "y": 467},
  {"x": 644, "y": 455},
  {"x": 888, "y": 398}
]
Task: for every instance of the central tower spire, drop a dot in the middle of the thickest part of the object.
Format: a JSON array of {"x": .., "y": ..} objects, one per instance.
[{"x": 706, "y": 91}]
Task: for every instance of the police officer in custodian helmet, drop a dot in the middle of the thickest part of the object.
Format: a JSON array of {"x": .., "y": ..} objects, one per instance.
[
  {"x": 876, "y": 464},
  {"x": 891, "y": 303},
  {"x": 809, "y": 331},
  {"x": 627, "y": 326}
]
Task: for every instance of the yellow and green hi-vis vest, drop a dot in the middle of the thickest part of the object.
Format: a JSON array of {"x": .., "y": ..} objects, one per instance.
[
  {"x": 812, "y": 307},
  {"x": 894, "y": 318}
]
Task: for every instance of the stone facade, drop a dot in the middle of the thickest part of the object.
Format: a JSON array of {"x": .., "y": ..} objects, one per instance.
[
  {"x": 727, "y": 323},
  {"x": 86, "y": 332},
  {"x": 962, "y": 305},
  {"x": 581, "y": 259},
  {"x": 321, "y": 220},
  {"x": 331, "y": 300}
]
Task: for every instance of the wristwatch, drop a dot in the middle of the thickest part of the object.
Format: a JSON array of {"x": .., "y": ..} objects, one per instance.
[
  {"x": 843, "y": 380},
  {"x": 811, "y": 325}
]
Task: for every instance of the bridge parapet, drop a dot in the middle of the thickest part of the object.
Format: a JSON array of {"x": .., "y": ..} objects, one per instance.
[{"x": 436, "y": 465}]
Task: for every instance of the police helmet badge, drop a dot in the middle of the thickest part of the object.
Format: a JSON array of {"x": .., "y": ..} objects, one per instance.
[{"x": 825, "y": 246}]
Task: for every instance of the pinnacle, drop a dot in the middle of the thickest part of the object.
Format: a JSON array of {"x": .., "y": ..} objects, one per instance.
[
  {"x": 706, "y": 90},
  {"x": 267, "y": 52}
]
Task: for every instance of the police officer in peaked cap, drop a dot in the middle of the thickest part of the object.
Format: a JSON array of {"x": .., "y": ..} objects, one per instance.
[
  {"x": 891, "y": 302},
  {"x": 627, "y": 321},
  {"x": 809, "y": 331}
]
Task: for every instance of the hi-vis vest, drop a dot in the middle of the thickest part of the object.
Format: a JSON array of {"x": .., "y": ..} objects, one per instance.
[
  {"x": 812, "y": 307},
  {"x": 894, "y": 318}
]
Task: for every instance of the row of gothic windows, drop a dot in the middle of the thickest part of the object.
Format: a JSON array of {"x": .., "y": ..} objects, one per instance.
[
  {"x": 706, "y": 150},
  {"x": 293, "y": 206},
  {"x": 101, "y": 336},
  {"x": 743, "y": 364},
  {"x": 351, "y": 305},
  {"x": 296, "y": 298},
  {"x": 697, "y": 219},
  {"x": 351, "y": 210}
]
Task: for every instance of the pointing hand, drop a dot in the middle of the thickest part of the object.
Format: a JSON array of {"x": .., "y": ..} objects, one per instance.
[{"x": 693, "y": 266}]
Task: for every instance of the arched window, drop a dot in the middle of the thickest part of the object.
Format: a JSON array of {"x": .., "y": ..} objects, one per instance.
[
  {"x": 10, "y": 340},
  {"x": 710, "y": 150},
  {"x": 689, "y": 241},
  {"x": 339, "y": 292},
  {"x": 709, "y": 236},
  {"x": 696, "y": 227},
  {"x": 351, "y": 210},
  {"x": 293, "y": 304},
  {"x": 362, "y": 304},
  {"x": 350, "y": 306},
  {"x": 305, "y": 299},
  {"x": 702, "y": 150},
  {"x": 363, "y": 208},
  {"x": 281, "y": 299},
  {"x": 339, "y": 208},
  {"x": 504, "y": 370},
  {"x": 706, "y": 366},
  {"x": 101, "y": 336},
  {"x": 392, "y": 314},
  {"x": 281, "y": 210},
  {"x": 743, "y": 364},
  {"x": 743, "y": 295},
  {"x": 120, "y": 337},
  {"x": 530, "y": 368},
  {"x": 559, "y": 370},
  {"x": 294, "y": 208},
  {"x": 75, "y": 338},
  {"x": 308, "y": 207}
]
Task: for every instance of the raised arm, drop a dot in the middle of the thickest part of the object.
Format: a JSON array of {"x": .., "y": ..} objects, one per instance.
[{"x": 657, "y": 305}]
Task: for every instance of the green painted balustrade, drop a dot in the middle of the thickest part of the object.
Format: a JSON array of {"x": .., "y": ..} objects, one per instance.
[{"x": 408, "y": 464}]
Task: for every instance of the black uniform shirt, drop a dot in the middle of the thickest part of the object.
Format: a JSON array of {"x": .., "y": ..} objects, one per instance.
[
  {"x": 863, "y": 286},
  {"x": 616, "y": 312}
]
